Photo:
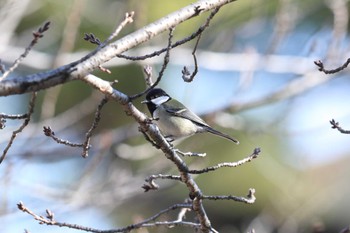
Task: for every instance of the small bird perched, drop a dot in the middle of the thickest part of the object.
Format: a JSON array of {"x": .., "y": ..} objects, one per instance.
[{"x": 174, "y": 119}]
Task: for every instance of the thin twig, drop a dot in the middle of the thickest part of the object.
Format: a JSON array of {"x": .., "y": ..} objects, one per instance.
[
  {"x": 4, "y": 116},
  {"x": 49, "y": 220},
  {"x": 174, "y": 45},
  {"x": 37, "y": 35},
  {"x": 129, "y": 18},
  {"x": 190, "y": 154},
  {"x": 187, "y": 76},
  {"x": 160, "y": 213},
  {"x": 86, "y": 144},
  {"x": 254, "y": 155},
  {"x": 13, "y": 116},
  {"x": 335, "y": 125},
  {"x": 250, "y": 199},
  {"x": 321, "y": 68},
  {"x": 153, "y": 186},
  {"x": 183, "y": 211},
  {"x": 161, "y": 72},
  {"x": 50, "y": 133},
  {"x": 20, "y": 129},
  {"x": 94, "y": 40}
]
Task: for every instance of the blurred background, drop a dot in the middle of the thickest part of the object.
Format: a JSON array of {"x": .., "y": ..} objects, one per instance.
[{"x": 256, "y": 81}]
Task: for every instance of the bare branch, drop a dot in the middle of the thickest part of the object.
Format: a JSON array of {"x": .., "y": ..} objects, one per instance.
[
  {"x": 49, "y": 220},
  {"x": 153, "y": 186},
  {"x": 37, "y": 35},
  {"x": 13, "y": 117},
  {"x": 250, "y": 199},
  {"x": 254, "y": 155},
  {"x": 190, "y": 154},
  {"x": 105, "y": 70},
  {"x": 129, "y": 18},
  {"x": 86, "y": 144},
  {"x": 20, "y": 129},
  {"x": 82, "y": 67},
  {"x": 94, "y": 40},
  {"x": 160, "y": 213},
  {"x": 153, "y": 132},
  {"x": 50, "y": 133},
  {"x": 174, "y": 45},
  {"x": 80, "y": 70},
  {"x": 186, "y": 75},
  {"x": 321, "y": 68},
  {"x": 165, "y": 63},
  {"x": 335, "y": 125}
]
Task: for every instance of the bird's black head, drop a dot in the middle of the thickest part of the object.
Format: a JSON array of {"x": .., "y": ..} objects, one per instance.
[
  {"x": 156, "y": 97},
  {"x": 155, "y": 93}
]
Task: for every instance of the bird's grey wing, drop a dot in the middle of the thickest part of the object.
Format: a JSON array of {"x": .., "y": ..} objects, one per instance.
[{"x": 187, "y": 114}]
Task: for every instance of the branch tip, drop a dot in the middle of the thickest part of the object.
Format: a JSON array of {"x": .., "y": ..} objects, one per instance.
[
  {"x": 256, "y": 152},
  {"x": 48, "y": 131},
  {"x": 321, "y": 68},
  {"x": 129, "y": 16},
  {"x": 335, "y": 125}
]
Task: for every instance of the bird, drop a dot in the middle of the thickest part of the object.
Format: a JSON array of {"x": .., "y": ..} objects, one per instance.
[{"x": 174, "y": 119}]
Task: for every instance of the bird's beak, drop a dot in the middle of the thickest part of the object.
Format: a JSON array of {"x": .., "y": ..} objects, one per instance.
[{"x": 144, "y": 102}]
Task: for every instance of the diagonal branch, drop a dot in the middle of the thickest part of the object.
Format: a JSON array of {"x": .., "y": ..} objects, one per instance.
[
  {"x": 152, "y": 131},
  {"x": 82, "y": 67},
  {"x": 37, "y": 35}
]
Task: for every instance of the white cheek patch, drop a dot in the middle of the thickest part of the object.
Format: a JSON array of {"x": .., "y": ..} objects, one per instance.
[{"x": 160, "y": 100}]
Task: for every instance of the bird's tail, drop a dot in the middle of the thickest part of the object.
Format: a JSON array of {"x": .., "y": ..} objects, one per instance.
[{"x": 218, "y": 133}]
